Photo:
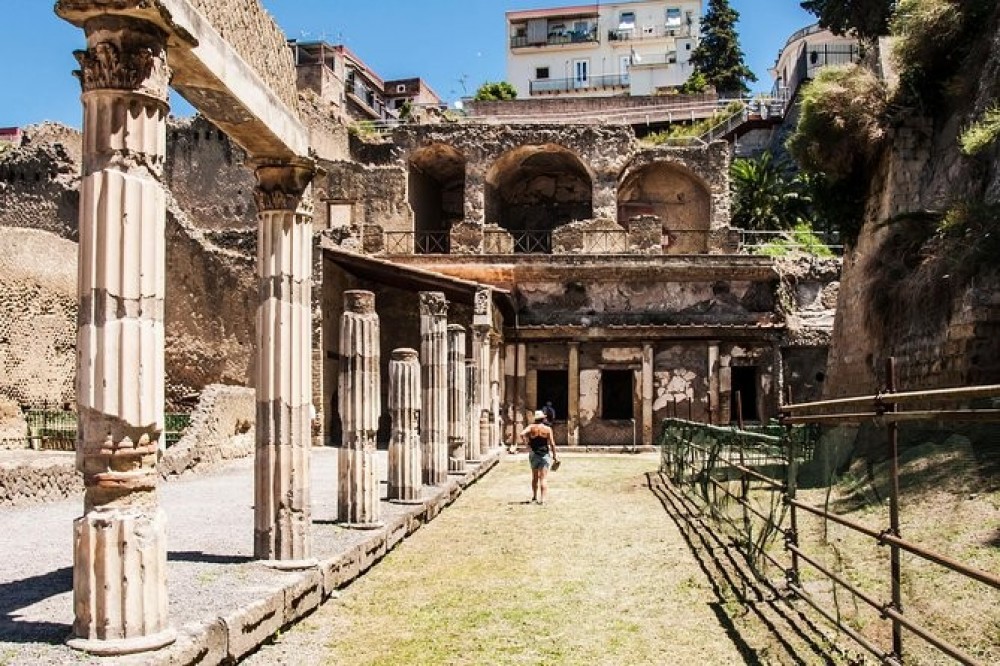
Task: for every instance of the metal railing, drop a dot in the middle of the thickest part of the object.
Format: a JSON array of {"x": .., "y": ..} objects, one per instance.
[
  {"x": 417, "y": 242},
  {"x": 754, "y": 241},
  {"x": 55, "y": 430},
  {"x": 539, "y": 86},
  {"x": 650, "y": 32},
  {"x": 556, "y": 39},
  {"x": 750, "y": 485}
]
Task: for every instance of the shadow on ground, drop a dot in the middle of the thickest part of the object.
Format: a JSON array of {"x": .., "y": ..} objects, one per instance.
[
  {"x": 789, "y": 635},
  {"x": 20, "y": 594}
]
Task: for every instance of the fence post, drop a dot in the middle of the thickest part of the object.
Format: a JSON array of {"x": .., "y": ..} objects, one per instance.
[
  {"x": 892, "y": 433},
  {"x": 791, "y": 484}
]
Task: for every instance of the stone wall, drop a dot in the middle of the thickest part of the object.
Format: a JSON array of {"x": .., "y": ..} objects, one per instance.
[
  {"x": 222, "y": 428},
  {"x": 38, "y": 307},
  {"x": 576, "y": 105},
  {"x": 33, "y": 478},
  {"x": 253, "y": 33}
]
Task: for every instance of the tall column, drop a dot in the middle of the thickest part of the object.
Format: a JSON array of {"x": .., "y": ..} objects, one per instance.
[
  {"x": 497, "y": 389},
  {"x": 715, "y": 409},
  {"x": 520, "y": 389},
  {"x": 282, "y": 512},
  {"x": 456, "y": 398},
  {"x": 434, "y": 382},
  {"x": 360, "y": 406},
  {"x": 405, "y": 481},
  {"x": 119, "y": 543},
  {"x": 647, "y": 394},
  {"x": 473, "y": 410},
  {"x": 573, "y": 419},
  {"x": 480, "y": 415}
]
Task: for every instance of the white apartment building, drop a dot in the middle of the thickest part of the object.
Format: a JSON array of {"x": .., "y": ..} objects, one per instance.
[{"x": 602, "y": 49}]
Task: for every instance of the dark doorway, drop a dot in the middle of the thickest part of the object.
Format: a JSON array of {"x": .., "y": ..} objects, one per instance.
[
  {"x": 553, "y": 385},
  {"x": 616, "y": 395},
  {"x": 744, "y": 391}
]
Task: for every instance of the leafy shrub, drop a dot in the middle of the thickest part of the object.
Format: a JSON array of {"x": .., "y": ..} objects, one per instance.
[
  {"x": 841, "y": 122},
  {"x": 983, "y": 133},
  {"x": 495, "y": 92},
  {"x": 801, "y": 239}
]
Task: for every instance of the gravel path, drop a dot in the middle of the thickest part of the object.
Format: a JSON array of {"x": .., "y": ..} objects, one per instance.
[{"x": 600, "y": 575}]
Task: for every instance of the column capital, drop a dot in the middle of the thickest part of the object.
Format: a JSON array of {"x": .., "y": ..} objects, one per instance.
[
  {"x": 433, "y": 303},
  {"x": 359, "y": 301},
  {"x": 124, "y": 54},
  {"x": 282, "y": 184}
]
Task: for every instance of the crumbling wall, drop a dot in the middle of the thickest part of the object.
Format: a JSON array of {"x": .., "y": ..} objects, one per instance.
[
  {"x": 39, "y": 179},
  {"x": 222, "y": 428}
]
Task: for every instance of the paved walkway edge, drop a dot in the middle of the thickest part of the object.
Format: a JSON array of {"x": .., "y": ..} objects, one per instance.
[{"x": 228, "y": 638}]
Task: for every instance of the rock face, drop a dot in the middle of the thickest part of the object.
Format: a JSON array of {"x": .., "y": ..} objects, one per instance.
[{"x": 939, "y": 318}]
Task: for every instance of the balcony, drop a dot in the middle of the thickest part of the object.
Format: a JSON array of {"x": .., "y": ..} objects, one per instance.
[
  {"x": 556, "y": 39},
  {"x": 548, "y": 86},
  {"x": 649, "y": 32}
]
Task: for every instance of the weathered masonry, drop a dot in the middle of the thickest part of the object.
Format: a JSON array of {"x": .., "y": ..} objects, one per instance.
[{"x": 624, "y": 294}]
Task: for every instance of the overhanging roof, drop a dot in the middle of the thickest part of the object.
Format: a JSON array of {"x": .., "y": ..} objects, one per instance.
[{"x": 409, "y": 278}]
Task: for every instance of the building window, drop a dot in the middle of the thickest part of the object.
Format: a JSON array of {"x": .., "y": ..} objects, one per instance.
[
  {"x": 673, "y": 17},
  {"x": 553, "y": 386},
  {"x": 541, "y": 72},
  {"x": 616, "y": 395},
  {"x": 626, "y": 21}
]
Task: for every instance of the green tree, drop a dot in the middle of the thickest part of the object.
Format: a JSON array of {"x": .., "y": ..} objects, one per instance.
[
  {"x": 495, "y": 92},
  {"x": 867, "y": 18},
  {"x": 718, "y": 56},
  {"x": 767, "y": 196}
]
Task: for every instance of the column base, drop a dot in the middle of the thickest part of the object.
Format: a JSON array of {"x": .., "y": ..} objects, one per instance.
[
  {"x": 122, "y": 646},
  {"x": 290, "y": 565},
  {"x": 407, "y": 501},
  {"x": 363, "y": 526}
]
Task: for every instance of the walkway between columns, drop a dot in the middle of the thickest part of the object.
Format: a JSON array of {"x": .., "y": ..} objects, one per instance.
[{"x": 599, "y": 575}]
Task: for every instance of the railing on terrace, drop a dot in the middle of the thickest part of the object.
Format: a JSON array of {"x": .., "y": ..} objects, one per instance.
[
  {"x": 898, "y": 598},
  {"x": 556, "y": 39},
  {"x": 417, "y": 242},
  {"x": 650, "y": 32},
  {"x": 56, "y": 429},
  {"x": 539, "y": 86},
  {"x": 757, "y": 242}
]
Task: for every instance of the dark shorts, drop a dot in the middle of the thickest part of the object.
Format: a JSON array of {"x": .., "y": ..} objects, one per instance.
[{"x": 539, "y": 462}]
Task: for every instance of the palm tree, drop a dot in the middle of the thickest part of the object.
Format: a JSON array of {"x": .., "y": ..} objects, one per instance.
[{"x": 766, "y": 197}]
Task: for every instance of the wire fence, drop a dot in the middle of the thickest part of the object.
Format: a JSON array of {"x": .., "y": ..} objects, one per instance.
[
  {"x": 878, "y": 512},
  {"x": 55, "y": 430}
]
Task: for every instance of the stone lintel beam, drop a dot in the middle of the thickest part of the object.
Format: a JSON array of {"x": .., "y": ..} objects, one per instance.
[
  {"x": 210, "y": 74},
  {"x": 747, "y": 332}
]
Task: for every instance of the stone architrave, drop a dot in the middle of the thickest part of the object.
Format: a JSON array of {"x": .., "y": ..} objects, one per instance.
[
  {"x": 472, "y": 410},
  {"x": 119, "y": 544},
  {"x": 434, "y": 384},
  {"x": 360, "y": 407},
  {"x": 457, "y": 424},
  {"x": 282, "y": 511},
  {"x": 405, "y": 480}
]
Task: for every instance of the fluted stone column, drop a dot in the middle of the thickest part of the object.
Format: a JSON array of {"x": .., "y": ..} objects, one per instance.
[
  {"x": 497, "y": 389},
  {"x": 434, "y": 384},
  {"x": 457, "y": 425},
  {"x": 405, "y": 471},
  {"x": 360, "y": 406},
  {"x": 282, "y": 512},
  {"x": 120, "y": 549},
  {"x": 472, "y": 410}
]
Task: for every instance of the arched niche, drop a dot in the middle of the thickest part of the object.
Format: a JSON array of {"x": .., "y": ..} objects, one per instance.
[{"x": 671, "y": 192}]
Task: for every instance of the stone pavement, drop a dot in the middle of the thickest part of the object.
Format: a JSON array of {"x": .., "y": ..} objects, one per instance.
[{"x": 222, "y": 602}]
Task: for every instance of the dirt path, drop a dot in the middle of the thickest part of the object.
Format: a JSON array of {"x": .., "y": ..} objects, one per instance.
[{"x": 599, "y": 575}]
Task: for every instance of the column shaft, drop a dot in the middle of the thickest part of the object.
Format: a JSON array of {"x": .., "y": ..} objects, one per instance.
[
  {"x": 647, "y": 395},
  {"x": 120, "y": 550},
  {"x": 360, "y": 406},
  {"x": 282, "y": 511},
  {"x": 472, "y": 411},
  {"x": 405, "y": 476},
  {"x": 434, "y": 379},
  {"x": 573, "y": 418},
  {"x": 457, "y": 424}
]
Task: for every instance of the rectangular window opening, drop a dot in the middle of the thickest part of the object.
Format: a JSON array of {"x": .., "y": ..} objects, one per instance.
[
  {"x": 553, "y": 386},
  {"x": 616, "y": 395},
  {"x": 541, "y": 72},
  {"x": 744, "y": 394}
]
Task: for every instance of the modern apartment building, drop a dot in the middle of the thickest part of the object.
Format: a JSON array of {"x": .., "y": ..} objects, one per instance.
[
  {"x": 807, "y": 51},
  {"x": 602, "y": 49}
]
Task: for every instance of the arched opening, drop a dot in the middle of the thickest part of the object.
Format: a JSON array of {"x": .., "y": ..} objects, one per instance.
[
  {"x": 436, "y": 191},
  {"x": 532, "y": 190},
  {"x": 675, "y": 195}
]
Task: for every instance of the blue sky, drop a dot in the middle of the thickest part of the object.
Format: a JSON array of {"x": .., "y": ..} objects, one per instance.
[{"x": 455, "y": 45}]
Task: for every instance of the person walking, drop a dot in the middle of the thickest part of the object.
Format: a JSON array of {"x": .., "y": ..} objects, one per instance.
[{"x": 541, "y": 454}]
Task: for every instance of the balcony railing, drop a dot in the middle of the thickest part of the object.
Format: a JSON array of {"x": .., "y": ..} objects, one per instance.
[
  {"x": 540, "y": 86},
  {"x": 556, "y": 39},
  {"x": 517, "y": 242},
  {"x": 651, "y": 32},
  {"x": 417, "y": 242}
]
